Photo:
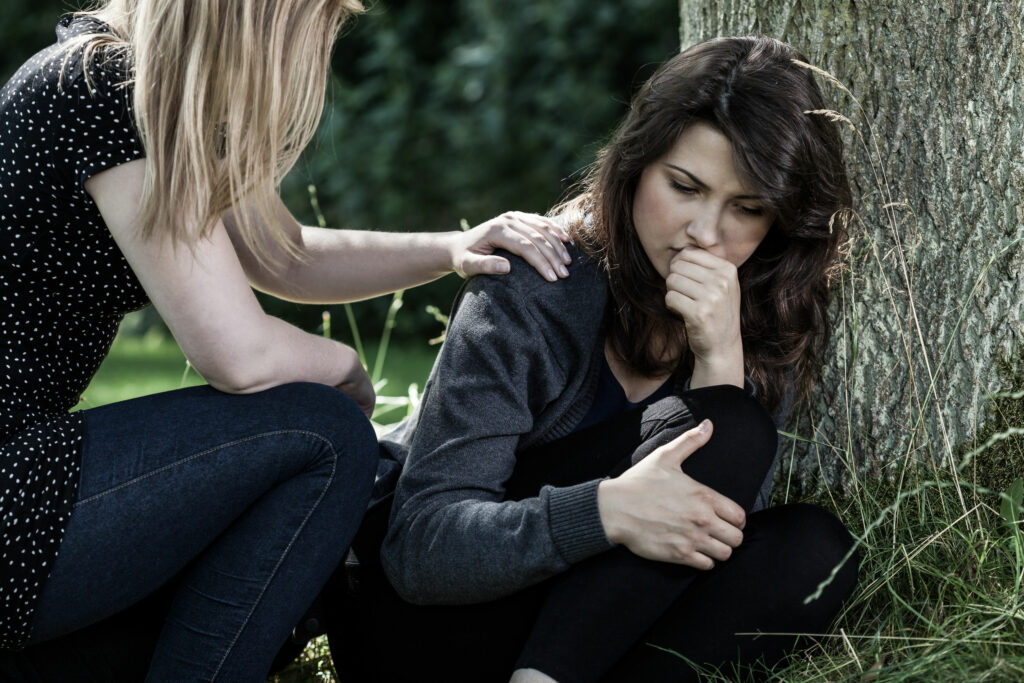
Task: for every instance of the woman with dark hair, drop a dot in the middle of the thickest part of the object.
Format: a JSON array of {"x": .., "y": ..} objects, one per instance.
[{"x": 588, "y": 472}]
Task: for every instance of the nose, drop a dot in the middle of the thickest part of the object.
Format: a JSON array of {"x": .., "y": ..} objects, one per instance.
[{"x": 704, "y": 226}]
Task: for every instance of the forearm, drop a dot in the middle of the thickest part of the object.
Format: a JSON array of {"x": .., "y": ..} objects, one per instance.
[
  {"x": 473, "y": 551},
  {"x": 275, "y": 353},
  {"x": 324, "y": 265},
  {"x": 350, "y": 265}
]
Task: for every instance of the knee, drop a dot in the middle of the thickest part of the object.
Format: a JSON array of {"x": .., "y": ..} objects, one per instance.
[
  {"x": 330, "y": 414},
  {"x": 740, "y": 422}
]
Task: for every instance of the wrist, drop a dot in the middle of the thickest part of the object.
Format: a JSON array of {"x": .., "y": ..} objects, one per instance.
[
  {"x": 606, "y": 493},
  {"x": 725, "y": 366},
  {"x": 450, "y": 246},
  {"x": 444, "y": 246}
]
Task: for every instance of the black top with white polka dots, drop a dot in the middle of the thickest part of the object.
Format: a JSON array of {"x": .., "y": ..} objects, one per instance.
[{"x": 64, "y": 287}]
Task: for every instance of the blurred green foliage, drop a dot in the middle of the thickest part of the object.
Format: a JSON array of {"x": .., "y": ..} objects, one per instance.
[{"x": 441, "y": 111}]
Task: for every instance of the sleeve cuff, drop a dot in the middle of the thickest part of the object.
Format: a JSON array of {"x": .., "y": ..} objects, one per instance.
[
  {"x": 575, "y": 521},
  {"x": 748, "y": 386}
]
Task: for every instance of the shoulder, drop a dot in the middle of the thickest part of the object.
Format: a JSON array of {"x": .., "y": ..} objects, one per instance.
[
  {"x": 524, "y": 320},
  {"x": 67, "y": 72},
  {"x": 584, "y": 293}
]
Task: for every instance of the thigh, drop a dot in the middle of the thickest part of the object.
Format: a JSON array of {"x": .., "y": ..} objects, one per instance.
[
  {"x": 164, "y": 475},
  {"x": 726, "y": 616}
]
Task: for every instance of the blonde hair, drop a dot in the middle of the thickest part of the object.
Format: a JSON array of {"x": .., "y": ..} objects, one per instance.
[{"x": 227, "y": 93}]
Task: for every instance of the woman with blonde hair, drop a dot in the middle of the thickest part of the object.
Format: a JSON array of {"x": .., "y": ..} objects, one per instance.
[{"x": 140, "y": 161}]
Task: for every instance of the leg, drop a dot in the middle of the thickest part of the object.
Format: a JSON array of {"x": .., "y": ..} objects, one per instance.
[
  {"x": 595, "y": 611},
  {"x": 787, "y": 552},
  {"x": 115, "y": 650},
  {"x": 251, "y": 499},
  {"x": 376, "y": 637}
]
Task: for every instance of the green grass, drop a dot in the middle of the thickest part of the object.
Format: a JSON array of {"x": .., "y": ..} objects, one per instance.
[
  {"x": 940, "y": 594},
  {"x": 137, "y": 366},
  {"x": 147, "y": 364},
  {"x": 942, "y": 565}
]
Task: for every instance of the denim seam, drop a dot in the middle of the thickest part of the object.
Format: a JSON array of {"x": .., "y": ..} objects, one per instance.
[
  {"x": 284, "y": 553},
  {"x": 192, "y": 457}
]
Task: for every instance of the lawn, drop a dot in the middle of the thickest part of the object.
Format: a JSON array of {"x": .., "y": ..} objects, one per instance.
[{"x": 145, "y": 364}]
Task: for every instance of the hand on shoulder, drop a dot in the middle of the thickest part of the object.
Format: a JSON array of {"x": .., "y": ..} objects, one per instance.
[{"x": 536, "y": 239}]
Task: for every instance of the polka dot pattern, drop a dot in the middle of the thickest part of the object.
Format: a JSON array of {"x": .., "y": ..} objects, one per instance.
[{"x": 64, "y": 287}]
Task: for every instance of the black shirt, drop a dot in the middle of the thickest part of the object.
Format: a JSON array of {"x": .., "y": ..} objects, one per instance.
[{"x": 64, "y": 287}]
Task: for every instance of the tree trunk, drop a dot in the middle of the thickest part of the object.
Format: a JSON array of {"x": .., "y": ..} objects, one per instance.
[{"x": 934, "y": 294}]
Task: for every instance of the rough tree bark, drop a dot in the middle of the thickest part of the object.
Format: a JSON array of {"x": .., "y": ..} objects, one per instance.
[{"x": 939, "y": 86}]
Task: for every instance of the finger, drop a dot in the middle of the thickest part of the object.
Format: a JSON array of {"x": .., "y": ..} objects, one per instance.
[
  {"x": 534, "y": 249},
  {"x": 694, "y": 301},
  {"x": 538, "y": 219},
  {"x": 714, "y": 549},
  {"x": 729, "y": 511},
  {"x": 721, "y": 281},
  {"x": 554, "y": 233},
  {"x": 693, "y": 271},
  {"x": 697, "y": 560},
  {"x": 701, "y": 257},
  {"x": 682, "y": 305},
  {"x": 547, "y": 231},
  {"x": 694, "y": 289},
  {"x": 485, "y": 264},
  {"x": 726, "y": 532},
  {"x": 675, "y": 452}
]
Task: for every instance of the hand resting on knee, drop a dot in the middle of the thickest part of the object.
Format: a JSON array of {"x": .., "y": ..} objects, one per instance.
[{"x": 660, "y": 513}]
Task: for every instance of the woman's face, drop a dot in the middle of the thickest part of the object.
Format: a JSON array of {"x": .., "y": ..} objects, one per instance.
[{"x": 694, "y": 197}]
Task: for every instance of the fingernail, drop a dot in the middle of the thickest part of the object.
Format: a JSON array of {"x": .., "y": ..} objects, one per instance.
[
  {"x": 502, "y": 267},
  {"x": 551, "y": 275},
  {"x": 566, "y": 257},
  {"x": 563, "y": 271},
  {"x": 704, "y": 427}
]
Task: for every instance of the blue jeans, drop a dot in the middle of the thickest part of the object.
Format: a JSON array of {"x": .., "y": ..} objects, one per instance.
[{"x": 247, "y": 502}]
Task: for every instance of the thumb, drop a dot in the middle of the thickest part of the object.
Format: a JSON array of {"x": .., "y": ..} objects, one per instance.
[
  {"x": 484, "y": 264},
  {"x": 676, "y": 451}
]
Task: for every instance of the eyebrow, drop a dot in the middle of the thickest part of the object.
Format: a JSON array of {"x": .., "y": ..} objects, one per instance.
[{"x": 702, "y": 185}]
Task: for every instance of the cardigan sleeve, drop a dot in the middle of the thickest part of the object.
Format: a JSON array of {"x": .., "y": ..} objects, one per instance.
[{"x": 452, "y": 538}]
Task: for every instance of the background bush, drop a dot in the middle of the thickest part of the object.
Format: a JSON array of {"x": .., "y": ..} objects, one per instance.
[{"x": 439, "y": 112}]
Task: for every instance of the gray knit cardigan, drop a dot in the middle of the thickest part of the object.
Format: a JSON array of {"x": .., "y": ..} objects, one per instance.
[{"x": 519, "y": 367}]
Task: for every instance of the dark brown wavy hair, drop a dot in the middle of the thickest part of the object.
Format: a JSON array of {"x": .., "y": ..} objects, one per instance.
[{"x": 751, "y": 90}]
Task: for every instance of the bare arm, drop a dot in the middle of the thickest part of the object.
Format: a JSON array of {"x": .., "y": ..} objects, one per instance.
[
  {"x": 204, "y": 297},
  {"x": 349, "y": 265}
]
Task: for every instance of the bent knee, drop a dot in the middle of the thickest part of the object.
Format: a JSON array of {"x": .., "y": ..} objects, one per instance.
[
  {"x": 327, "y": 412},
  {"x": 738, "y": 418}
]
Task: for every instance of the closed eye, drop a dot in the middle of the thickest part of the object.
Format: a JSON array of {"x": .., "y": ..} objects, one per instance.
[
  {"x": 680, "y": 187},
  {"x": 752, "y": 210}
]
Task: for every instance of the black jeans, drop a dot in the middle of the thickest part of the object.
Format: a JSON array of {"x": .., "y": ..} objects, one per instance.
[{"x": 598, "y": 620}]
